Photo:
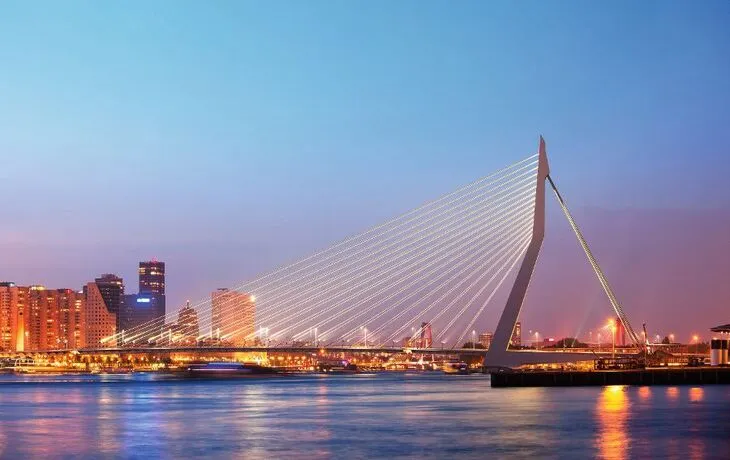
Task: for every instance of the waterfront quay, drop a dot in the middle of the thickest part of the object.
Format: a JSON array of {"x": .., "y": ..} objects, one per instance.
[{"x": 648, "y": 376}]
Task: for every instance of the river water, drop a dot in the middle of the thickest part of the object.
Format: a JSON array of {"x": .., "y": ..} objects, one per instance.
[{"x": 395, "y": 415}]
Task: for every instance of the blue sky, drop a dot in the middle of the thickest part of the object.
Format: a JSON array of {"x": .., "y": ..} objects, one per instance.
[{"x": 276, "y": 127}]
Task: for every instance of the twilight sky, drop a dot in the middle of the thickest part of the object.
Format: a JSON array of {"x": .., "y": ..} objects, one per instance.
[{"x": 229, "y": 137}]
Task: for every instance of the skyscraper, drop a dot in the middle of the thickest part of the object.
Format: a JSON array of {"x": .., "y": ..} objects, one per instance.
[
  {"x": 152, "y": 277},
  {"x": 13, "y": 300},
  {"x": 150, "y": 302},
  {"x": 233, "y": 315}
]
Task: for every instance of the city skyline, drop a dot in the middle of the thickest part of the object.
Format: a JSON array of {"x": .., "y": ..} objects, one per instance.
[{"x": 271, "y": 157}]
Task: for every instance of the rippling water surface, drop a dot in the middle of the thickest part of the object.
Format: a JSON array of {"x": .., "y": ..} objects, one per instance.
[{"x": 356, "y": 416}]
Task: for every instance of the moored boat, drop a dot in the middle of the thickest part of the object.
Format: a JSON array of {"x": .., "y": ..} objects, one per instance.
[{"x": 455, "y": 368}]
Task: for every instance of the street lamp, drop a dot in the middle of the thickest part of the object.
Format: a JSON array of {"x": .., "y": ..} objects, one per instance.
[
  {"x": 671, "y": 338},
  {"x": 696, "y": 340},
  {"x": 473, "y": 340},
  {"x": 537, "y": 340}
]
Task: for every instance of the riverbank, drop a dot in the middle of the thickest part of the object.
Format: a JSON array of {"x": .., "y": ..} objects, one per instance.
[{"x": 651, "y": 376}]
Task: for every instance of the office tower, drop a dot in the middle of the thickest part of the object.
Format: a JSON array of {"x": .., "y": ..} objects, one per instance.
[
  {"x": 152, "y": 277},
  {"x": 150, "y": 302},
  {"x": 139, "y": 309},
  {"x": 233, "y": 315}
]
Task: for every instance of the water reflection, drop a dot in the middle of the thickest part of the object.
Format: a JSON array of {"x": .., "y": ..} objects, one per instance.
[
  {"x": 645, "y": 393},
  {"x": 385, "y": 416},
  {"x": 696, "y": 394},
  {"x": 673, "y": 393},
  {"x": 612, "y": 412}
]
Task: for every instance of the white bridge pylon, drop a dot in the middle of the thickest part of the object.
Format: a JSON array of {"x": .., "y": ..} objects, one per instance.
[
  {"x": 438, "y": 266},
  {"x": 499, "y": 353}
]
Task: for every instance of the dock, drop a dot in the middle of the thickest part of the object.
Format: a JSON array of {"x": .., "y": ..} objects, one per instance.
[{"x": 649, "y": 376}]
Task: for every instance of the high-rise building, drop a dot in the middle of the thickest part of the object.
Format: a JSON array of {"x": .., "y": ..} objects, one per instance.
[
  {"x": 13, "y": 300},
  {"x": 139, "y": 309},
  {"x": 187, "y": 322},
  {"x": 42, "y": 320},
  {"x": 152, "y": 277},
  {"x": 71, "y": 332},
  {"x": 111, "y": 288},
  {"x": 101, "y": 307},
  {"x": 35, "y": 318},
  {"x": 150, "y": 302},
  {"x": 516, "y": 339},
  {"x": 485, "y": 340},
  {"x": 233, "y": 315}
]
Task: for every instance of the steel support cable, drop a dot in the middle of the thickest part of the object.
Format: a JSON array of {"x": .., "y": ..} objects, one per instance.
[
  {"x": 419, "y": 220},
  {"x": 596, "y": 268},
  {"x": 350, "y": 262},
  {"x": 502, "y": 263},
  {"x": 500, "y": 217},
  {"x": 427, "y": 239},
  {"x": 436, "y": 257},
  {"x": 477, "y": 185},
  {"x": 474, "y": 256},
  {"x": 405, "y": 269},
  {"x": 506, "y": 246},
  {"x": 492, "y": 294},
  {"x": 473, "y": 259}
]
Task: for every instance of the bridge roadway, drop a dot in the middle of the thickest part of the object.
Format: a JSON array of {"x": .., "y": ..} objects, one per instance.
[
  {"x": 296, "y": 349},
  {"x": 301, "y": 349}
]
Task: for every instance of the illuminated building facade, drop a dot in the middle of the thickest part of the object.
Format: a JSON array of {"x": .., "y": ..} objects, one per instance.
[
  {"x": 152, "y": 277},
  {"x": 13, "y": 300},
  {"x": 485, "y": 340},
  {"x": 100, "y": 321},
  {"x": 233, "y": 316},
  {"x": 516, "y": 340},
  {"x": 35, "y": 318},
  {"x": 71, "y": 333},
  {"x": 150, "y": 302}
]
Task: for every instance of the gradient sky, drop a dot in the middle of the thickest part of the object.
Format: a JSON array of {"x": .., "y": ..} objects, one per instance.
[{"x": 228, "y": 137}]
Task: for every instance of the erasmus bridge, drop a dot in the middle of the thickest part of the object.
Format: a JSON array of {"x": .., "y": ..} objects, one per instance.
[{"x": 432, "y": 271}]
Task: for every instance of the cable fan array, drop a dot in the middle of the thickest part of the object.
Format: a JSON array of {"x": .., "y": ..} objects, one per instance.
[{"x": 437, "y": 266}]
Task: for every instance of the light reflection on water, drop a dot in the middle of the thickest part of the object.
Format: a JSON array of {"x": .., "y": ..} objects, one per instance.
[
  {"x": 612, "y": 411},
  {"x": 387, "y": 415}
]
